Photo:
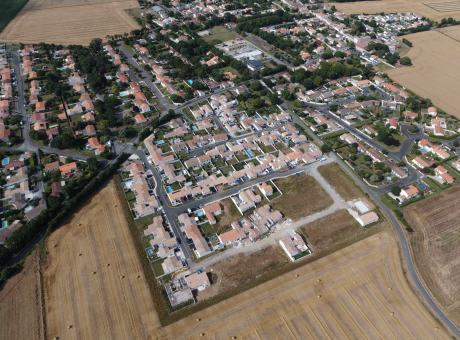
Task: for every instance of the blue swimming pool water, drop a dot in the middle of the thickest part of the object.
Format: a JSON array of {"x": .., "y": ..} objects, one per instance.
[
  {"x": 6, "y": 161},
  {"x": 249, "y": 153}
]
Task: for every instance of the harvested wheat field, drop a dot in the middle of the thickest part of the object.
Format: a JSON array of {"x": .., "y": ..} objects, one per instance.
[
  {"x": 20, "y": 304},
  {"x": 70, "y": 21},
  {"x": 436, "y": 224},
  {"x": 435, "y": 73},
  {"x": 432, "y": 9},
  {"x": 357, "y": 292},
  {"x": 94, "y": 283}
]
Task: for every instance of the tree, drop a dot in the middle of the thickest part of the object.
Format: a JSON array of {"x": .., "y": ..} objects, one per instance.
[
  {"x": 325, "y": 148},
  {"x": 406, "y": 61},
  {"x": 396, "y": 190},
  {"x": 92, "y": 164}
]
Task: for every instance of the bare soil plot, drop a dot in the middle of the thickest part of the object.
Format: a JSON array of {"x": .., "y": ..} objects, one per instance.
[
  {"x": 357, "y": 292},
  {"x": 340, "y": 181},
  {"x": 70, "y": 21},
  {"x": 435, "y": 242},
  {"x": 20, "y": 304},
  {"x": 433, "y": 9},
  {"x": 230, "y": 214},
  {"x": 302, "y": 196},
  {"x": 435, "y": 73},
  {"x": 94, "y": 283},
  {"x": 242, "y": 270},
  {"x": 336, "y": 231}
]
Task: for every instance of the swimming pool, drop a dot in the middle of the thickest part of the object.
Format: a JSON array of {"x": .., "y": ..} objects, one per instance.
[
  {"x": 6, "y": 161},
  {"x": 169, "y": 189},
  {"x": 249, "y": 153}
]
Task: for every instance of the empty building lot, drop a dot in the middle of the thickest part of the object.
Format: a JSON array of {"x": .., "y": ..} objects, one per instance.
[{"x": 359, "y": 291}]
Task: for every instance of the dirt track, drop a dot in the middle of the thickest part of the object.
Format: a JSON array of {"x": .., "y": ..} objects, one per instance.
[
  {"x": 70, "y": 21},
  {"x": 362, "y": 293},
  {"x": 359, "y": 291}
]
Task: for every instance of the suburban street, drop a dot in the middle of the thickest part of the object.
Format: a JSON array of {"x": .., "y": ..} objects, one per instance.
[
  {"x": 406, "y": 253},
  {"x": 141, "y": 75}
]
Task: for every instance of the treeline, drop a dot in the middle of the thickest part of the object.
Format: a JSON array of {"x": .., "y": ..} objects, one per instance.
[
  {"x": 50, "y": 219},
  {"x": 415, "y": 29},
  {"x": 253, "y": 23},
  {"x": 448, "y": 22},
  {"x": 330, "y": 71}
]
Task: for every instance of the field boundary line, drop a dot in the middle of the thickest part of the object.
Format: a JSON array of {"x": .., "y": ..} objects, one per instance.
[
  {"x": 447, "y": 35},
  {"x": 42, "y": 299},
  {"x": 74, "y": 5}
]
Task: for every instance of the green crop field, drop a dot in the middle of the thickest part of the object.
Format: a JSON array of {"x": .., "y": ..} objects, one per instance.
[{"x": 8, "y": 10}]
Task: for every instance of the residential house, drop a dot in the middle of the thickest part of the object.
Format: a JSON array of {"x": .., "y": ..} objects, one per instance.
[
  {"x": 198, "y": 281},
  {"x": 294, "y": 246}
]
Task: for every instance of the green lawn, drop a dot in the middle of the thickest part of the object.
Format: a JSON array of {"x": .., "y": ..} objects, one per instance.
[
  {"x": 157, "y": 268},
  {"x": 220, "y": 34},
  {"x": 8, "y": 10}
]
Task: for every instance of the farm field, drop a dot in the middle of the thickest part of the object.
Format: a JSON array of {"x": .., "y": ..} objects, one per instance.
[
  {"x": 435, "y": 73},
  {"x": 340, "y": 181},
  {"x": 322, "y": 300},
  {"x": 8, "y": 10},
  {"x": 70, "y": 21},
  {"x": 301, "y": 195},
  {"x": 20, "y": 305},
  {"x": 432, "y": 9},
  {"x": 102, "y": 293},
  {"x": 436, "y": 224}
]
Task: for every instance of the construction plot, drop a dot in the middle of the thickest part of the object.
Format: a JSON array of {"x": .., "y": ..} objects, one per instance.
[{"x": 357, "y": 292}]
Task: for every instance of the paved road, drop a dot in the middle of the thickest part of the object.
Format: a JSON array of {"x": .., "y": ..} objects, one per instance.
[
  {"x": 406, "y": 252},
  {"x": 170, "y": 214},
  {"x": 412, "y": 174},
  {"x": 268, "y": 53},
  {"x": 146, "y": 77},
  {"x": 20, "y": 106},
  {"x": 282, "y": 228}
]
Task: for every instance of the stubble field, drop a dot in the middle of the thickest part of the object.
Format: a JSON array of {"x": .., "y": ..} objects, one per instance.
[
  {"x": 20, "y": 304},
  {"x": 94, "y": 283},
  {"x": 94, "y": 288},
  {"x": 435, "y": 73},
  {"x": 433, "y": 9},
  {"x": 357, "y": 292},
  {"x": 436, "y": 224},
  {"x": 70, "y": 21}
]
